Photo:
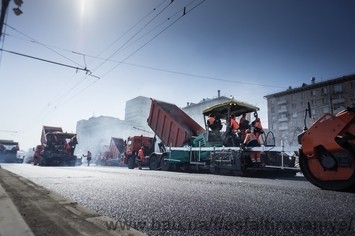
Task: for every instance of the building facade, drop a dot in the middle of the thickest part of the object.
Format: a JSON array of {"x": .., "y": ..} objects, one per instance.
[
  {"x": 137, "y": 110},
  {"x": 286, "y": 110}
]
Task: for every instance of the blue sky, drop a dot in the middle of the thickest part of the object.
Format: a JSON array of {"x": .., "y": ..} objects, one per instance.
[{"x": 246, "y": 49}]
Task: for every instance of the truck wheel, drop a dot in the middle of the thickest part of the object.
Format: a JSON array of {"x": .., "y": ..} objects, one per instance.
[
  {"x": 131, "y": 162},
  {"x": 164, "y": 164},
  {"x": 153, "y": 162},
  {"x": 213, "y": 169},
  {"x": 42, "y": 162},
  {"x": 312, "y": 171}
]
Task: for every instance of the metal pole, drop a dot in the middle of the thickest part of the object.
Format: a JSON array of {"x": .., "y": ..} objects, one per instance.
[
  {"x": 4, "y": 6},
  {"x": 282, "y": 154}
]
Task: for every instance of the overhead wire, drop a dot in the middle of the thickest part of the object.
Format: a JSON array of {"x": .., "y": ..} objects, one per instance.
[
  {"x": 48, "y": 61},
  {"x": 145, "y": 44},
  {"x": 120, "y": 48},
  {"x": 107, "y": 59},
  {"x": 58, "y": 103},
  {"x": 161, "y": 69},
  {"x": 132, "y": 27},
  {"x": 94, "y": 81},
  {"x": 42, "y": 44},
  {"x": 134, "y": 35}
]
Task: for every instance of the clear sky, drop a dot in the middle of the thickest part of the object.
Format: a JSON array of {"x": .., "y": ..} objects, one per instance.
[{"x": 246, "y": 49}]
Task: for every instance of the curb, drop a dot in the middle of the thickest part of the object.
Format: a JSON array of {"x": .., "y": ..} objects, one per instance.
[
  {"x": 11, "y": 222},
  {"x": 57, "y": 211}
]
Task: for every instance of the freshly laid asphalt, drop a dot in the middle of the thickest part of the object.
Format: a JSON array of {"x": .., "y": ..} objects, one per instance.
[{"x": 27, "y": 209}]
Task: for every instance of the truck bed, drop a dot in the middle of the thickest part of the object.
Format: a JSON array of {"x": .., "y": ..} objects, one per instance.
[{"x": 172, "y": 125}]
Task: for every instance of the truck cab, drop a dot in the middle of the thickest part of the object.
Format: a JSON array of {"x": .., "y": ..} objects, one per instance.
[{"x": 133, "y": 144}]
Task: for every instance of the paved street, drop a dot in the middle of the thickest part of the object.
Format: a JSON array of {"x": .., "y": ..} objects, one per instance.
[{"x": 175, "y": 203}]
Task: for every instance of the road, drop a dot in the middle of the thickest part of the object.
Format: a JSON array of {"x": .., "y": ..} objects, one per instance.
[{"x": 175, "y": 203}]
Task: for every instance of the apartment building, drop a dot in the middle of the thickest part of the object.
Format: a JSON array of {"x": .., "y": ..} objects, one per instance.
[{"x": 286, "y": 109}]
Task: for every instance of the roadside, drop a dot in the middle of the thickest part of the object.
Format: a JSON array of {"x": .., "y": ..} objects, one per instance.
[{"x": 29, "y": 209}]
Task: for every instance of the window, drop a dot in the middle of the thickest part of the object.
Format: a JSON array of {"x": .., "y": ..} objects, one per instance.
[
  {"x": 338, "y": 96},
  {"x": 339, "y": 106},
  {"x": 338, "y": 88},
  {"x": 294, "y": 106},
  {"x": 324, "y": 91},
  {"x": 302, "y": 104},
  {"x": 325, "y": 100},
  {"x": 283, "y": 115},
  {"x": 326, "y": 110},
  {"x": 283, "y": 126},
  {"x": 294, "y": 115},
  {"x": 313, "y": 93},
  {"x": 313, "y": 112},
  {"x": 314, "y": 103},
  {"x": 283, "y": 107}
]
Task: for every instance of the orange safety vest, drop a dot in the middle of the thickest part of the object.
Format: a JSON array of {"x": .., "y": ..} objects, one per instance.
[
  {"x": 210, "y": 120},
  {"x": 141, "y": 154},
  {"x": 234, "y": 124}
]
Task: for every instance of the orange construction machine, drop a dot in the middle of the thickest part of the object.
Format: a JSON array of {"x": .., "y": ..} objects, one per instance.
[
  {"x": 327, "y": 152},
  {"x": 56, "y": 149}
]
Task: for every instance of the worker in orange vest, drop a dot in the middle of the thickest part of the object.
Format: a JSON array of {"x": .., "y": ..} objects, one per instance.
[
  {"x": 252, "y": 141},
  {"x": 210, "y": 120},
  {"x": 234, "y": 124},
  {"x": 88, "y": 157},
  {"x": 141, "y": 157},
  {"x": 258, "y": 128}
]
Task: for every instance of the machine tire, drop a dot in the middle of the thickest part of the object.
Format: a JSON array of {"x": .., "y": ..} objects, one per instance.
[
  {"x": 164, "y": 164},
  {"x": 213, "y": 169},
  {"x": 347, "y": 185},
  {"x": 131, "y": 162},
  {"x": 42, "y": 162},
  {"x": 153, "y": 162}
]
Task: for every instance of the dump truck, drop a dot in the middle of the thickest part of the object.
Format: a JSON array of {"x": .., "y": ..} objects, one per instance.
[
  {"x": 8, "y": 151},
  {"x": 327, "y": 152},
  {"x": 57, "y": 148},
  {"x": 112, "y": 154},
  {"x": 132, "y": 159},
  {"x": 188, "y": 146}
]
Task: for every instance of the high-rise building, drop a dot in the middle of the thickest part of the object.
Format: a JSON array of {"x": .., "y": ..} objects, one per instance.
[
  {"x": 286, "y": 109},
  {"x": 137, "y": 110}
]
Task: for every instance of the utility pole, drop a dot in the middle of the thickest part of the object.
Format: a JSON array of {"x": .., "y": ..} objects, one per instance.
[{"x": 4, "y": 6}]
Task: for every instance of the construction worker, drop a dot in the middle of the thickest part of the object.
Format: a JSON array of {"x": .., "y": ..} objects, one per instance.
[
  {"x": 234, "y": 124},
  {"x": 258, "y": 128},
  {"x": 141, "y": 157},
  {"x": 251, "y": 141},
  {"x": 234, "y": 128},
  {"x": 243, "y": 125},
  {"x": 210, "y": 120},
  {"x": 88, "y": 157}
]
